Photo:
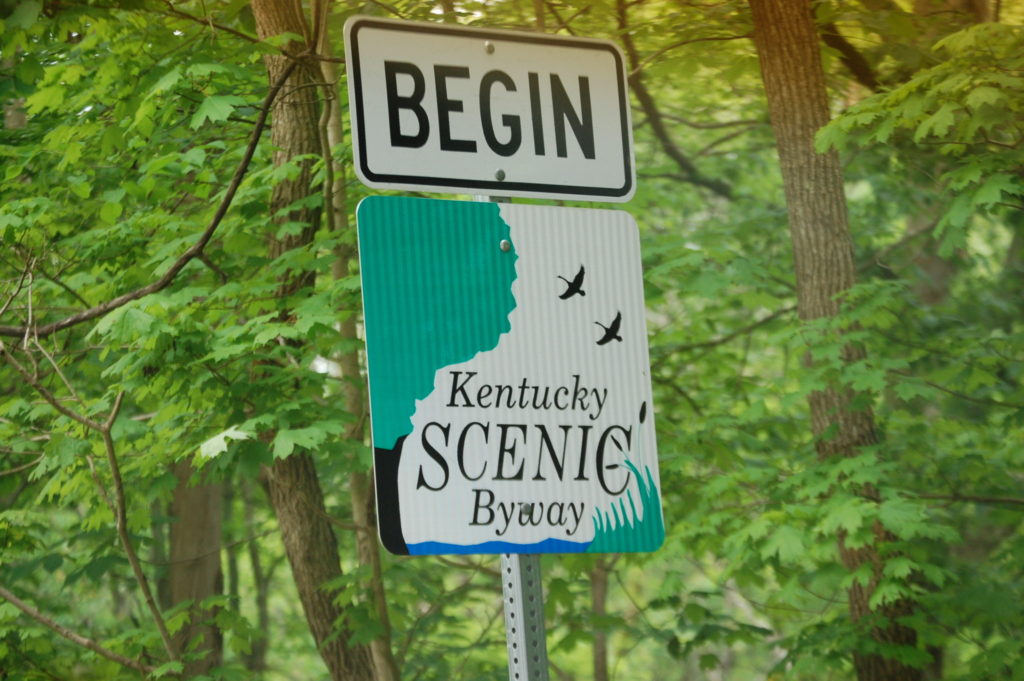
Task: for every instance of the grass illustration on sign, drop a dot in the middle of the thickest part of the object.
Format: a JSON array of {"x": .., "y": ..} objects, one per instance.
[{"x": 622, "y": 531}]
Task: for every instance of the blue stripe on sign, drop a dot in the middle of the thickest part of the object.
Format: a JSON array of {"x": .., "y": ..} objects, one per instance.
[{"x": 432, "y": 548}]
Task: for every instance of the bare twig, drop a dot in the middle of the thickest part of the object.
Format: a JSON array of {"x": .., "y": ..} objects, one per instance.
[
  {"x": 721, "y": 340},
  {"x": 852, "y": 59},
  {"x": 56, "y": 368},
  {"x": 682, "y": 43},
  {"x": 122, "y": 529},
  {"x": 22, "y": 467},
  {"x": 192, "y": 252},
  {"x": 208, "y": 21},
  {"x": 46, "y": 394},
  {"x": 971, "y": 498},
  {"x": 59, "y": 282},
  {"x": 17, "y": 289},
  {"x": 119, "y": 507},
  {"x": 746, "y": 122},
  {"x": 654, "y": 117},
  {"x": 71, "y": 635}
]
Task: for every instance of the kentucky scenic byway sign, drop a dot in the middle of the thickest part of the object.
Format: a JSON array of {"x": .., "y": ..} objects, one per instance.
[
  {"x": 445, "y": 108},
  {"x": 509, "y": 378}
]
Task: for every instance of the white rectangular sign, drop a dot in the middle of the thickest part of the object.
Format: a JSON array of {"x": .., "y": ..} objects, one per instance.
[
  {"x": 510, "y": 387},
  {"x": 444, "y": 108}
]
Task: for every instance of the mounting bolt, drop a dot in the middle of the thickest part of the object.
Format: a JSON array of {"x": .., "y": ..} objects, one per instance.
[
  {"x": 505, "y": 246},
  {"x": 499, "y": 175},
  {"x": 488, "y": 47}
]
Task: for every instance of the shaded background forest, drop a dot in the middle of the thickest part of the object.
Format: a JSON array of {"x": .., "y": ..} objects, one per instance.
[{"x": 185, "y": 481}]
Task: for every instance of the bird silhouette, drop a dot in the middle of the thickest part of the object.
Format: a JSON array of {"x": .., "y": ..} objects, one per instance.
[
  {"x": 611, "y": 332},
  {"x": 575, "y": 286}
]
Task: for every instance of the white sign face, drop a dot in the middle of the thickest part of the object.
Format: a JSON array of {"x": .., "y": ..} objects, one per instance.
[
  {"x": 510, "y": 392},
  {"x": 444, "y": 108}
]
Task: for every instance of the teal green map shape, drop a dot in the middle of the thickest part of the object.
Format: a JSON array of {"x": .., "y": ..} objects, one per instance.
[{"x": 437, "y": 290}]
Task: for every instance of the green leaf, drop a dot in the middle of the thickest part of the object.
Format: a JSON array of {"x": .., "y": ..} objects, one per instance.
[
  {"x": 45, "y": 98},
  {"x": 218, "y": 444},
  {"x": 167, "y": 81},
  {"x": 168, "y": 668},
  {"x": 81, "y": 189},
  {"x": 24, "y": 15},
  {"x": 984, "y": 94},
  {"x": 845, "y": 515},
  {"x": 787, "y": 542},
  {"x": 901, "y": 516},
  {"x": 992, "y": 190},
  {"x": 110, "y": 212},
  {"x": 215, "y": 108},
  {"x": 287, "y": 440},
  {"x": 899, "y": 567},
  {"x": 938, "y": 124},
  {"x": 29, "y": 70}
]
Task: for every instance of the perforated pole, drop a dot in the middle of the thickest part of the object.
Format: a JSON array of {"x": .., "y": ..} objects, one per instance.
[{"x": 524, "y": 618}]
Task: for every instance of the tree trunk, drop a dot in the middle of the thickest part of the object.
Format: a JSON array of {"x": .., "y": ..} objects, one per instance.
[
  {"x": 256, "y": 659},
  {"x": 194, "y": 572},
  {"x": 312, "y": 549},
  {"x": 292, "y": 483},
  {"x": 787, "y": 45},
  {"x": 360, "y": 484}
]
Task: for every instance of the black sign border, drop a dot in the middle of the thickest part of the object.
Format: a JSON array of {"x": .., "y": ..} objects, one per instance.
[{"x": 491, "y": 187}]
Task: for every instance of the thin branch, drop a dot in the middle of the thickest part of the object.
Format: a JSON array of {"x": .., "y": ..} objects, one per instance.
[
  {"x": 563, "y": 24},
  {"x": 208, "y": 21},
  {"x": 169, "y": 276},
  {"x": 122, "y": 529},
  {"x": 221, "y": 274},
  {"x": 29, "y": 324},
  {"x": 56, "y": 368},
  {"x": 971, "y": 398},
  {"x": 222, "y": 547},
  {"x": 59, "y": 282},
  {"x": 876, "y": 258},
  {"x": 674, "y": 385},
  {"x": 852, "y": 59},
  {"x": 682, "y": 43},
  {"x": 72, "y": 636},
  {"x": 1013, "y": 501},
  {"x": 746, "y": 122},
  {"x": 46, "y": 394},
  {"x": 721, "y": 340},
  {"x": 22, "y": 467},
  {"x": 690, "y": 171},
  {"x": 17, "y": 289},
  {"x": 720, "y": 141}
]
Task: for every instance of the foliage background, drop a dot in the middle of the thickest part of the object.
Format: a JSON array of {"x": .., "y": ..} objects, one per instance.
[{"x": 123, "y": 127}]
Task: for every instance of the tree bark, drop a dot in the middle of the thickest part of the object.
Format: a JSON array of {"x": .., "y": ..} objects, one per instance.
[
  {"x": 794, "y": 82},
  {"x": 360, "y": 483},
  {"x": 256, "y": 659},
  {"x": 194, "y": 572},
  {"x": 292, "y": 483}
]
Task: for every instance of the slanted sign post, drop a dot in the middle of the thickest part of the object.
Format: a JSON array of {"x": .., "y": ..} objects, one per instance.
[{"x": 509, "y": 377}]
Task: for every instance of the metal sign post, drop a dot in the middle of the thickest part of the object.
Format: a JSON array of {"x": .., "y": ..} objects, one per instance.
[
  {"x": 524, "y": 617},
  {"x": 525, "y": 634}
]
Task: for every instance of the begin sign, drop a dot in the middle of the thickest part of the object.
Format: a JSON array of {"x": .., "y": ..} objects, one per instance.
[{"x": 446, "y": 108}]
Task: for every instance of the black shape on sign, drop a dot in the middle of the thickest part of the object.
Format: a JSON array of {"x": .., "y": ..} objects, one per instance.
[
  {"x": 575, "y": 286},
  {"x": 643, "y": 412},
  {"x": 389, "y": 517},
  {"x": 611, "y": 332}
]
